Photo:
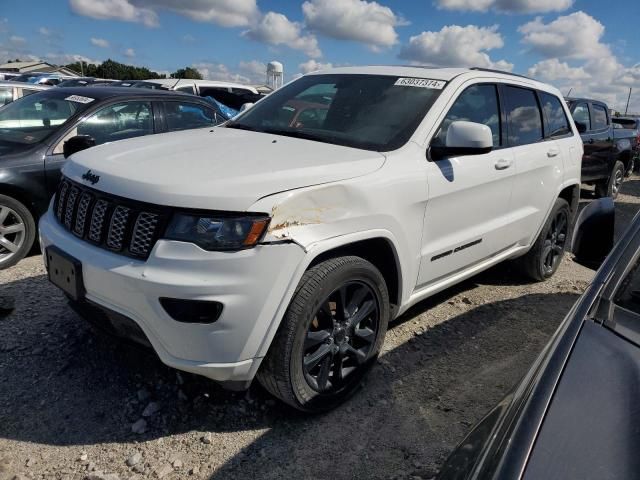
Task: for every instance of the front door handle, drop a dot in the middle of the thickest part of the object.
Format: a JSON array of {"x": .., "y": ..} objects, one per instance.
[
  {"x": 553, "y": 152},
  {"x": 503, "y": 164}
]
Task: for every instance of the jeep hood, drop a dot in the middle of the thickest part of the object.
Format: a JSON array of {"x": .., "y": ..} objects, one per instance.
[{"x": 217, "y": 168}]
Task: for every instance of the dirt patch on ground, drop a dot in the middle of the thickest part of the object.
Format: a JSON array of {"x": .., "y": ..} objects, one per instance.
[{"x": 70, "y": 400}]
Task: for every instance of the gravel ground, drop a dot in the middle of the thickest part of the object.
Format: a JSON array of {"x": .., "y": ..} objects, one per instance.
[{"x": 75, "y": 405}]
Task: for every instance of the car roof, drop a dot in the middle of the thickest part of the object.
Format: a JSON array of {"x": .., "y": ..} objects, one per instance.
[
  {"x": 172, "y": 82},
  {"x": 580, "y": 99},
  {"x": 435, "y": 73},
  {"x": 101, "y": 93},
  {"x": 33, "y": 86}
]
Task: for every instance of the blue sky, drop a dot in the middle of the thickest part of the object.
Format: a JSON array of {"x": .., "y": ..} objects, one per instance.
[{"x": 589, "y": 45}]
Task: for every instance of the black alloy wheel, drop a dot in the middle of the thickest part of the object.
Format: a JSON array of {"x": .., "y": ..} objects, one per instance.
[
  {"x": 554, "y": 244},
  {"x": 340, "y": 337}
]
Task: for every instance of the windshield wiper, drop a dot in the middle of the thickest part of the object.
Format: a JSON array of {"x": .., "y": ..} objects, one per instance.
[
  {"x": 240, "y": 126},
  {"x": 296, "y": 134}
]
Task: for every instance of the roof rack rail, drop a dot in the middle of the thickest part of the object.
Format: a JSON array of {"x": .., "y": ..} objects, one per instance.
[{"x": 491, "y": 70}]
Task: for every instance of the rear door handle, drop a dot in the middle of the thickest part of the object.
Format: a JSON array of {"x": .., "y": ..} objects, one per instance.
[
  {"x": 553, "y": 152},
  {"x": 503, "y": 164},
  {"x": 591, "y": 140}
]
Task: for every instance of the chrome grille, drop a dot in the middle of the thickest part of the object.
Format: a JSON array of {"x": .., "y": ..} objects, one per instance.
[
  {"x": 71, "y": 205},
  {"x": 143, "y": 233},
  {"x": 124, "y": 226},
  {"x": 81, "y": 214},
  {"x": 117, "y": 227},
  {"x": 97, "y": 220}
]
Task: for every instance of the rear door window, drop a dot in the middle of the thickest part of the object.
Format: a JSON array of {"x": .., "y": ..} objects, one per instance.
[
  {"x": 524, "y": 116},
  {"x": 6, "y": 95},
  {"x": 186, "y": 89},
  {"x": 556, "y": 122},
  {"x": 186, "y": 116},
  {"x": 600, "y": 117}
]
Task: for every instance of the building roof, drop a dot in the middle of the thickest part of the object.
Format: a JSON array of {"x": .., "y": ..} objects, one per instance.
[{"x": 36, "y": 66}]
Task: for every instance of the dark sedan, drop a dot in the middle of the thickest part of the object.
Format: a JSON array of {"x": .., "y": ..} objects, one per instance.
[
  {"x": 38, "y": 131},
  {"x": 573, "y": 416}
]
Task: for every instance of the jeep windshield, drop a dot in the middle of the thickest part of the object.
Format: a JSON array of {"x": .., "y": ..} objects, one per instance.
[
  {"x": 31, "y": 119},
  {"x": 371, "y": 112}
]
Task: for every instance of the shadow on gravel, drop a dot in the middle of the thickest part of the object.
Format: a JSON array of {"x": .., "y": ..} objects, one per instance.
[{"x": 63, "y": 385}]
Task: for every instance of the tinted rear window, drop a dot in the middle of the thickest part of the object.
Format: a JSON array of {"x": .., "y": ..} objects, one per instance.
[{"x": 524, "y": 117}]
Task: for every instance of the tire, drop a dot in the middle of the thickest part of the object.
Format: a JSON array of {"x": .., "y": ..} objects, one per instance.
[
  {"x": 611, "y": 187},
  {"x": 17, "y": 231},
  {"x": 313, "y": 329},
  {"x": 544, "y": 258}
]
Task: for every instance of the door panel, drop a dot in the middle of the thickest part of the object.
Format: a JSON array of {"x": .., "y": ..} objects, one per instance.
[
  {"x": 467, "y": 214},
  {"x": 591, "y": 429}
]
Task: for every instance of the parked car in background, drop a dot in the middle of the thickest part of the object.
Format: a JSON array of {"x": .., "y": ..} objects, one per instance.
[
  {"x": 573, "y": 416},
  {"x": 11, "y": 91},
  {"x": 233, "y": 95},
  {"x": 85, "y": 82},
  {"x": 629, "y": 127},
  {"x": 37, "y": 132},
  {"x": 606, "y": 159},
  {"x": 280, "y": 252},
  {"x": 8, "y": 75},
  {"x": 40, "y": 78}
]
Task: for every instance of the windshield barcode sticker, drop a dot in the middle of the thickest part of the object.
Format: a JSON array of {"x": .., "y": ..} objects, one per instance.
[
  {"x": 79, "y": 99},
  {"x": 421, "y": 83}
]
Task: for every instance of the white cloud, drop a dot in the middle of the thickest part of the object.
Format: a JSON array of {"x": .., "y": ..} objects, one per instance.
[
  {"x": 576, "y": 59},
  {"x": 115, "y": 10},
  {"x": 276, "y": 29},
  {"x": 99, "y": 42},
  {"x": 44, "y": 31},
  {"x": 17, "y": 41},
  {"x": 456, "y": 46},
  {"x": 226, "y": 13},
  {"x": 129, "y": 53},
  {"x": 188, "y": 38},
  {"x": 67, "y": 58},
  {"x": 553, "y": 69},
  {"x": 357, "y": 20},
  {"x": 256, "y": 71},
  {"x": 312, "y": 66},
  {"x": 219, "y": 71},
  {"x": 575, "y": 36},
  {"x": 507, "y": 6}
]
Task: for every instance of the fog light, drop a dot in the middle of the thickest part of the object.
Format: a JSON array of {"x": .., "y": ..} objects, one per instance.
[{"x": 192, "y": 311}]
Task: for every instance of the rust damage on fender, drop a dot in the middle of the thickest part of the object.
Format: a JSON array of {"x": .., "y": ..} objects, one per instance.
[{"x": 319, "y": 206}]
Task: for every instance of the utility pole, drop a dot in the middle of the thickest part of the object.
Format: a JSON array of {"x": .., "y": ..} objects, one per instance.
[
  {"x": 81, "y": 68},
  {"x": 569, "y": 92},
  {"x": 628, "y": 100}
]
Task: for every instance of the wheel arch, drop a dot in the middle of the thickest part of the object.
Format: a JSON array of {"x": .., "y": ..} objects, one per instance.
[
  {"x": 571, "y": 194},
  {"x": 380, "y": 252}
]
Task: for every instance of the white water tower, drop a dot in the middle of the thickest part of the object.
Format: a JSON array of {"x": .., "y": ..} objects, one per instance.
[{"x": 275, "y": 75}]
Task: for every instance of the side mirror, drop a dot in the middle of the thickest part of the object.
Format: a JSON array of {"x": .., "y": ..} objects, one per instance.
[
  {"x": 582, "y": 128},
  {"x": 246, "y": 106},
  {"x": 76, "y": 144},
  {"x": 593, "y": 233},
  {"x": 464, "y": 138}
]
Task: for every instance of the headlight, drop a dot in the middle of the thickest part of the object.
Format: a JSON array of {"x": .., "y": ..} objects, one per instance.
[{"x": 217, "y": 233}]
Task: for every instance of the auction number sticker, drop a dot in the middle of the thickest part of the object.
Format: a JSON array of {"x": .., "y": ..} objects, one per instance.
[
  {"x": 79, "y": 99},
  {"x": 421, "y": 83}
]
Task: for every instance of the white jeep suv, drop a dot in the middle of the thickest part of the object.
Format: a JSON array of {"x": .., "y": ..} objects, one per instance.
[{"x": 280, "y": 245}]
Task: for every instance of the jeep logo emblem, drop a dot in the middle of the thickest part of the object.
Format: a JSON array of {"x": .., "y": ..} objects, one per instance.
[{"x": 91, "y": 177}]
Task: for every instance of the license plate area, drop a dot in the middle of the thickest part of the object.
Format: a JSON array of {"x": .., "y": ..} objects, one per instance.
[{"x": 65, "y": 272}]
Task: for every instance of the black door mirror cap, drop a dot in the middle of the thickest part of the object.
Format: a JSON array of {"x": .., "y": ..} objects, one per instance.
[
  {"x": 77, "y": 144},
  {"x": 582, "y": 128},
  {"x": 593, "y": 233}
]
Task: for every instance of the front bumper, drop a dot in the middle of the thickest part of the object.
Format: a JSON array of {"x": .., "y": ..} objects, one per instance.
[{"x": 253, "y": 285}]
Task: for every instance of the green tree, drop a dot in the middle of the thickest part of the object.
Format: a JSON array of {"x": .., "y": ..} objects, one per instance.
[
  {"x": 115, "y": 70},
  {"x": 187, "y": 72}
]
